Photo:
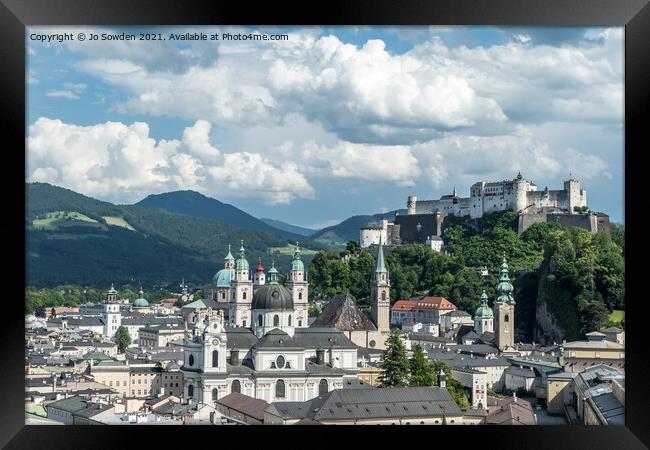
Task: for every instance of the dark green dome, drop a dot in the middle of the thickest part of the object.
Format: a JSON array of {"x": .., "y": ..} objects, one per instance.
[{"x": 272, "y": 296}]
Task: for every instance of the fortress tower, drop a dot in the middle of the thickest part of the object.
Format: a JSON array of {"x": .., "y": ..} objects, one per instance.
[
  {"x": 519, "y": 187},
  {"x": 576, "y": 196}
]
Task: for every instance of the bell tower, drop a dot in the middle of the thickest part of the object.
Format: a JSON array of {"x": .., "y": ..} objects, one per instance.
[
  {"x": 380, "y": 293},
  {"x": 299, "y": 287},
  {"x": 505, "y": 310},
  {"x": 241, "y": 291}
]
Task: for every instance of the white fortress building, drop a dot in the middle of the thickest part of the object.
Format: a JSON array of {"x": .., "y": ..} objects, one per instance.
[{"x": 519, "y": 195}]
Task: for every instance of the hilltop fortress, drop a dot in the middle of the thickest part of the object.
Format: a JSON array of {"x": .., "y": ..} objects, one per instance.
[{"x": 425, "y": 219}]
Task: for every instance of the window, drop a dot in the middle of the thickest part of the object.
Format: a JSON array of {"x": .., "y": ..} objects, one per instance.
[
  {"x": 506, "y": 318},
  {"x": 383, "y": 295},
  {"x": 243, "y": 322},
  {"x": 243, "y": 296},
  {"x": 300, "y": 324},
  {"x": 276, "y": 321},
  {"x": 223, "y": 295},
  {"x": 260, "y": 320},
  {"x": 279, "y": 389},
  {"x": 235, "y": 387},
  {"x": 322, "y": 387},
  {"x": 215, "y": 358},
  {"x": 280, "y": 362},
  {"x": 289, "y": 322},
  {"x": 190, "y": 391},
  {"x": 190, "y": 360},
  {"x": 215, "y": 394},
  {"x": 299, "y": 295}
]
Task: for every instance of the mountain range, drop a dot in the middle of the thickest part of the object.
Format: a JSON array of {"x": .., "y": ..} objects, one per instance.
[{"x": 75, "y": 239}]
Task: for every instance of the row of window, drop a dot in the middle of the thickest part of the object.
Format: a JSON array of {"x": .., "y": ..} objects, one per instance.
[{"x": 280, "y": 389}]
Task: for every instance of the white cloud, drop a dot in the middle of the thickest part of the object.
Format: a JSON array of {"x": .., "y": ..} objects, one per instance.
[
  {"x": 62, "y": 94},
  {"x": 122, "y": 163},
  {"x": 366, "y": 94}
]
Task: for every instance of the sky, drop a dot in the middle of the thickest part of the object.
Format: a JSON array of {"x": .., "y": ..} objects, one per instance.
[{"x": 330, "y": 123}]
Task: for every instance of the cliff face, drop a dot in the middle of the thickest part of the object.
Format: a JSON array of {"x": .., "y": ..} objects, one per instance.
[
  {"x": 556, "y": 315},
  {"x": 547, "y": 330}
]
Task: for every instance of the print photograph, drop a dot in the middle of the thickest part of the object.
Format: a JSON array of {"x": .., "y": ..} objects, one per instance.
[{"x": 324, "y": 225}]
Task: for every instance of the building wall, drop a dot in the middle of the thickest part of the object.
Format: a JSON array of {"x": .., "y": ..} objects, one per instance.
[
  {"x": 513, "y": 382},
  {"x": 559, "y": 393}
]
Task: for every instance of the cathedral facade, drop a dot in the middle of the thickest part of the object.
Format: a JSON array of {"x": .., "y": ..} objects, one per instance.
[{"x": 264, "y": 349}]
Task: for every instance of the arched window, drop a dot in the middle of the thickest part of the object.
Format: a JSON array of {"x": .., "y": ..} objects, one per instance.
[
  {"x": 243, "y": 295},
  {"x": 322, "y": 387},
  {"x": 276, "y": 321},
  {"x": 235, "y": 387},
  {"x": 260, "y": 320},
  {"x": 223, "y": 295},
  {"x": 383, "y": 295},
  {"x": 289, "y": 322},
  {"x": 279, "y": 389},
  {"x": 191, "y": 360},
  {"x": 215, "y": 394},
  {"x": 190, "y": 391},
  {"x": 506, "y": 318},
  {"x": 215, "y": 358},
  {"x": 299, "y": 295}
]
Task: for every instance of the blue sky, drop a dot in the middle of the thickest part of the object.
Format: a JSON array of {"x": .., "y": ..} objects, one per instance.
[{"x": 333, "y": 122}]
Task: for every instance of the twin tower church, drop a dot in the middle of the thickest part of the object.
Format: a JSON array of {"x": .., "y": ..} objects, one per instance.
[{"x": 251, "y": 335}]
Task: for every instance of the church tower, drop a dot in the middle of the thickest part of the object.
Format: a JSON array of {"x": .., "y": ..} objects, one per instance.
[
  {"x": 484, "y": 317},
  {"x": 505, "y": 310},
  {"x": 299, "y": 287},
  {"x": 260, "y": 278},
  {"x": 241, "y": 289},
  {"x": 111, "y": 315},
  {"x": 380, "y": 293}
]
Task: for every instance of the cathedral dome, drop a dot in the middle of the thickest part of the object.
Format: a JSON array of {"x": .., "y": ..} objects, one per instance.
[
  {"x": 272, "y": 296},
  {"x": 223, "y": 278},
  {"x": 140, "y": 303}
]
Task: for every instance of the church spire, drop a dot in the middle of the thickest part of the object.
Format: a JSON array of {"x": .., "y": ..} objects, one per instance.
[
  {"x": 504, "y": 288},
  {"x": 381, "y": 265}
]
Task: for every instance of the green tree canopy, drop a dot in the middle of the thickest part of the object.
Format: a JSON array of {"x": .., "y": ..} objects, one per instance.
[
  {"x": 421, "y": 370},
  {"x": 395, "y": 364},
  {"x": 122, "y": 339}
]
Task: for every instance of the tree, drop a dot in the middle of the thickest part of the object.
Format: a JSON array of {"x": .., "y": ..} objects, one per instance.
[
  {"x": 421, "y": 371},
  {"x": 352, "y": 247},
  {"x": 122, "y": 339},
  {"x": 395, "y": 364}
]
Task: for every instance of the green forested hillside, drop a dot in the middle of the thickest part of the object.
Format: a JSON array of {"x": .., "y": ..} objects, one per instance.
[
  {"x": 162, "y": 247},
  {"x": 578, "y": 276}
]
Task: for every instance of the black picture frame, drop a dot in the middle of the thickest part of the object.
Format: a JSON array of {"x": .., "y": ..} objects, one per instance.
[{"x": 15, "y": 15}]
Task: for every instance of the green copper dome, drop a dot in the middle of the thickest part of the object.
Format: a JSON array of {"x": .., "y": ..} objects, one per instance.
[
  {"x": 297, "y": 264},
  {"x": 272, "y": 296},
  {"x": 484, "y": 311},
  {"x": 140, "y": 302},
  {"x": 229, "y": 256},
  {"x": 242, "y": 262},
  {"x": 223, "y": 278}
]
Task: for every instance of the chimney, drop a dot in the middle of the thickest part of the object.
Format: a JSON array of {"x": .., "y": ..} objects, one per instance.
[
  {"x": 234, "y": 357},
  {"x": 320, "y": 356}
]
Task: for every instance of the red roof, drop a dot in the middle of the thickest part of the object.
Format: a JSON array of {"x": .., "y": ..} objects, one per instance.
[
  {"x": 429, "y": 302},
  {"x": 260, "y": 267},
  {"x": 168, "y": 300}
]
